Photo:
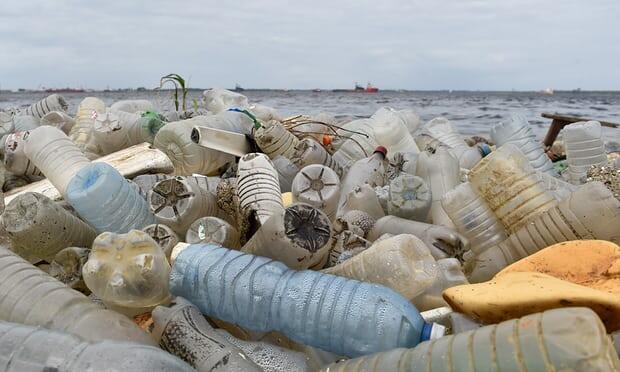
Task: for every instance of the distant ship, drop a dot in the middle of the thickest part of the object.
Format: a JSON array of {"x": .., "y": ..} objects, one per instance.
[{"x": 359, "y": 89}]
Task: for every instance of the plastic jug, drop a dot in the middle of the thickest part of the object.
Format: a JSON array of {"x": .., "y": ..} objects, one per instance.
[
  {"x": 274, "y": 139},
  {"x": 58, "y": 158},
  {"x": 518, "y": 132},
  {"x": 473, "y": 218},
  {"x": 15, "y": 161},
  {"x": 30, "y": 296},
  {"x": 409, "y": 197},
  {"x": 571, "y": 339},
  {"x": 440, "y": 170},
  {"x": 298, "y": 236},
  {"x": 318, "y": 186},
  {"x": 67, "y": 267},
  {"x": 584, "y": 148},
  {"x": 444, "y": 131},
  {"x": 509, "y": 185},
  {"x": 133, "y": 105},
  {"x": 164, "y": 236},
  {"x": 39, "y": 228},
  {"x": 60, "y": 120},
  {"x": 308, "y": 151},
  {"x": 81, "y": 133},
  {"x": 128, "y": 272},
  {"x": 335, "y": 314},
  {"x": 184, "y": 332},
  {"x": 369, "y": 171},
  {"x": 54, "y": 102},
  {"x": 591, "y": 212},
  {"x": 218, "y": 100},
  {"x": 213, "y": 230},
  {"x": 102, "y": 197}
]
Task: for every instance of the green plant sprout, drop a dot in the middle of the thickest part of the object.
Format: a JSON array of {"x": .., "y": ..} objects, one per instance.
[{"x": 179, "y": 83}]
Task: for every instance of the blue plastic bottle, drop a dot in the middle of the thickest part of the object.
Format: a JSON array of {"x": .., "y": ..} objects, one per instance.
[
  {"x": 104, "y": 199},
  {"x": 344, "y": 316}
]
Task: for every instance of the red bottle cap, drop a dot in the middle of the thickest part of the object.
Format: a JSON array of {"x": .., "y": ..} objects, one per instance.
[
  {"x": 382, "y": 150},
  {"x": 327, "y": 139}
]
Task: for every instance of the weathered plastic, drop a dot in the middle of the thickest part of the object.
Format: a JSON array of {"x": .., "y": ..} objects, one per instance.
[
  {"x": 178, "y": 202},
  {"x": 39, "y": 228},
  {"x": 444, "y": 131},
  {"x": 508, "y": 183},
  {"x": 102, "y": 197},
  {"x": 391, "y": 130},
  {"x": 164, "y": 236},
  {"x": 363, "y": 198},
  {"x": 23, "y": 123},
  {"x": 15, "y": 160},
  {"x": 298, "y": 236},
  {"x": 213, "y": 230},
  {"x": 318, "y": 186},
  {"x": 218, "y": 100},
  {"x": 183, "y": 331},
  {"x": 128, "y": 272},
  {"x": 409, "y": 117},
  {"x": 30, "y": 349},
  {"x": 571, "y": 339},
  {"x": 30, "y": 296},
  {"x": 370, "y": 170},
  {"x": 473, "y": 218},
  {"x": 286, "y": 170},
  {"x": 517, "y": 131},
  {"x": 56, "y": 156},
  {"x": 557, "y": 187},
  {"x": 54, "y": 102},
  {"x": 116, "y": 130},
  {"x": 308, "y": 151},
  {"x": 60, "y": 120},
  {"x": 340, "y": 315},
  {"x": 67, "y": 267},
  {"x": 409, "y": 197},
  {"x": 133, "y": 105},
  {"x": 274, "y": 139},
  {"x": 81, "y": 133},
  {"x": 146, "y": 182},
  {"x": 591, "y": 212},
  {"x": 440, "y": 170},
  {"x": 584, "y": 148}
]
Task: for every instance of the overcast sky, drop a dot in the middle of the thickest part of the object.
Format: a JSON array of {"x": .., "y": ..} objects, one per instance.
[{"x": 409, "y": 44}]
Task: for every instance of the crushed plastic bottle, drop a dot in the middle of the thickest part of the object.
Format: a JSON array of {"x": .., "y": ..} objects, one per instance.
[
  {"x": 213, "y": 230},
  {"x": 318, "y": 186},
  {"x": 584, "y": 148},
  {"x": 54, "y": 102}
]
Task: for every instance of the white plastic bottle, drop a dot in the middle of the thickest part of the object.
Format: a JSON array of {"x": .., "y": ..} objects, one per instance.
[
  {"x": 369, "y": 171},
  {"x": 362, "y": 198},
  {"x": 81, "y": 132},
  {"x": 15, "y": 161},
  {"x": 274, "y": 139},
  {"x": 308, "y": 151},
  {"x": 218, "y": 100},
  {"x": 54, "y": 102},
  {"x": 318, "y": 186},
  {"x": 213, "y": 230},
  {"x": 133, "y": 105},
  {"x": 444, "y": 131},
  {"x": 409, "y": 197},
  {"x": 584, "y": 148},
  {"x": 287, "y": 171},
  {"x": 164, "y": 236},
  {"x": 59, "y": 119}
]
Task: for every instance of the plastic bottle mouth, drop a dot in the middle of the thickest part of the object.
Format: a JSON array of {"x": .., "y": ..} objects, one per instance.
[
  {"x": 432, "y": 331},
  {"x": 382, "y": 150},
  {"x": 195, "y": 136}
]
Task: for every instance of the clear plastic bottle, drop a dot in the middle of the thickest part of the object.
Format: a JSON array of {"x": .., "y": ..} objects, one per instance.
[
  {"x": 409, "y": 117},
  {"x": 335, "y": 314},
  {"x": 39, "y": 228},
  {"x": 15, "y": 161},
  {"x": 318, "y": 186},
  {"x": 591, "y": 212},
  {"x": 584, "y": 148},
  {"x": 81, "y": 133},
  {"x": 116, "y": 130},
  {"x": 146, "y": 181},
  {"x": 133, "y": 105},
  {"x": 128, "y": 272},
  {"x": 164, "y": 236},
  {"x": 213, "y": 230},
  {"x": 518, "y": 132},
  {"x": 67, "y": 267},
  {"x": 409, "y": 197},
  {"x": 569, "y": 339},
  {"x": 558, "y": 188},
  {"x": 308, "y": 151},
  {"x": 218, "y": 100},
  {"x": 440, "y": 170},
  {"x": 24, "y": 123},
  {"x": 30, "y": 296},
  {"x": 357, "y": 141},
  {"x": 444, "y": 131},
  {"x": 473, "y": 218},
  {"x": 298, "y": 236},
  {"x": 60, "y": 120},
  {"x": 508, "y": 183},
  {"x": 103, "y": 198},
  {"x": 274, "y": 139},
  {"x": 392, "y": 131},
  {"x": 402, "y": 162},
  {"x": 58, "y": 158},
  {"x": 183, "y": 331},
  {"x": 287, "y": 171},
  {"x": 362, "y": 198},
  {"x": 369, "y": 171},
  {"x": 54, "y": 102}
]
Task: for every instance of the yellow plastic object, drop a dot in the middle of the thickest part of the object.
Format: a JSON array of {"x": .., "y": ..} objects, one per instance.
[
  {"x": 566, "y": 261},
  {"x": 287, "y": 199},
  {"x": 516, "y": 294}
]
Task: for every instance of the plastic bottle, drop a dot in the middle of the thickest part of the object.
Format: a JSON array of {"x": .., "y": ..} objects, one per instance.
[
  {"x": 23, "y": 123},
  {"x": 102, "y": 197},
  {"x": 392, "y": 131},
  {"x": 286, "y": 172},
  {"x": 518, "y": 132},
  {"x": 39, "y": 228},
  {"x": 30, "y": 296},
  {"x": 509, "y": 185},
  {"x": 473, "y": 218},
  {"x": 67, "y": 267},
  {"x": 370, "y": 170},
  {"x": 184, "y": 332},
  {"x": 591, "y": 212},
  {"x": 81, "y": 133},
  {"x": 570, "y": 339},
  {"x": 128, "y": 272},
  {"x": 409, "y": 197},
  {"x": 133, "y": 105},
  {"x": 213, "y": 230},
  {"x": 58, "y": 158},
  {"x": 308, "y": 151},
  {"x": 146, "y": 182},
  {"x": 318, "y": 186},
  {"x": 164, "y": 236},
  {"x": 274, "y": 139},
  {"x": 440, "y": 170},
  {"x": 15, "y": 161},
  {"x": 58, "y": 119},
  {"x": 402, "y": 162},
  {"x": 177, "y": 202},
  {"x": 558, "y": 188},
  {"x": 116, "y": 130},
  {"x": 409, "y": 117},
  {"x": 362, "y": 198},
  {"x": 584, "y": 148},
  {"x": 218, "y": 100},
  {"x": 444, "y": 131},
  {"x": 54, "y": 102},
  {"x": 298, "y": 236},
  {"x": 335, "y": 314}
]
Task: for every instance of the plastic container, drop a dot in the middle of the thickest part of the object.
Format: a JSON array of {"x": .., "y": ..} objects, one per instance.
[
  {"x": 298, "y": 236},
  {"x": 146, "y": 181},
  {"x": 102, "y": 197},
  {"x": 335, "y": 314},
  {"x": 67, "y": 267},
  {"x": 164, "y": 236},
  {"x": 116, "y": 130},
  {"x": 178, "y": 202},
  {"x": 54, "y": 102},
  {"x": 58, "y": 158},
  {"x": 218, "y": 100},
  {"x": 133, "y": 105},
  {"x": 518, "y": 132},
  {"x": 184, "y": 332},
  {"x": 308, "y": 151},
  {"x": 409, "y": 117},
  {"x": 128, "y": 272},
  {"x": 60, "y": 120},
  {"x": 509, "y": 185},
  {"x": 286, "y": 172},
  {"x": 571, "y": 339},
  {"x": 274, "y": 139},
  {"x": 444, "y": 131},
  {"x": 402, "y": 162},
  {"x": 362, "y": 198},
  {"x": 318, "y": 186},
  {"x": 369, "y": 171},
  {"x": 473, "y": 218},
  {"x": 440, "y": 170},
  {"x": 81, "y": 133},
  {"x": 15, "y": 161},
  {"x": 391, "y": 131},
  {"x": 409, "y": 197},
  {"x": 584, "y": 148},
  {"x": 558, "y": 188},
  {"x": 39, "y": 228},
  {"x": 213, "y": 230},
  {"x": 30, "y": 296},
  {"x": 591, "y": 212},
  {"x": 23, "y": 123}
]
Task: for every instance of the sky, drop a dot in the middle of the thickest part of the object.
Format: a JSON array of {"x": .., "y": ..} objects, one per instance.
[{"x": 395, "y": 44}]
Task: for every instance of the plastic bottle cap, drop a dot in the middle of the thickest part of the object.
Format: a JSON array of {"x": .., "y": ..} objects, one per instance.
[
  {"x": 484, "y": 149},
  {"x": 327, "y": 139},
  {"x": 432, "y": 331},
  {"x": 382, "y": 150}
]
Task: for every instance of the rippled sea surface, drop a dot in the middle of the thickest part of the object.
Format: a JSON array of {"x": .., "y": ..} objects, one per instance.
[{"x": 471, "y": 112}]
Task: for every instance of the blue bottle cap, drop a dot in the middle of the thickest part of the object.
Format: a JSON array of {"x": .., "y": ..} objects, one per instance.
[
  {"x": 432, "y": 331},
  {"x": 484, "y": 149}
]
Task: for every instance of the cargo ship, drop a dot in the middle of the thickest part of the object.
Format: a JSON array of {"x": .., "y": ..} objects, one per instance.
[{"x": 359, "y": 89}]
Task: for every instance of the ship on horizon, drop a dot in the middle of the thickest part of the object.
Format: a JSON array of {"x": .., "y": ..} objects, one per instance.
[{"x": 359, "y": 89}]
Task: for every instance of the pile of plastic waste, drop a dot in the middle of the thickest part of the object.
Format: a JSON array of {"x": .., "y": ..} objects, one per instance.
[{"x": 232, "y": 238}]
